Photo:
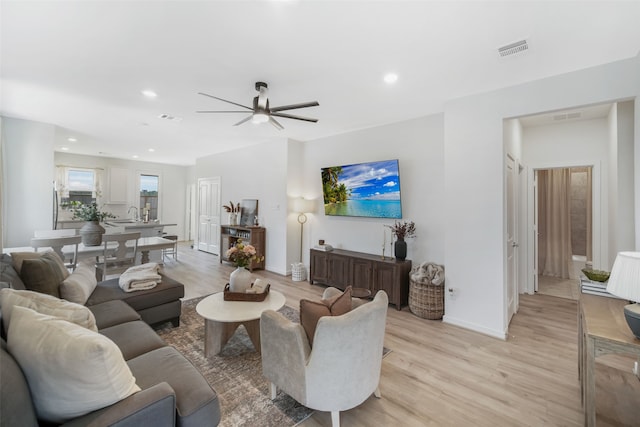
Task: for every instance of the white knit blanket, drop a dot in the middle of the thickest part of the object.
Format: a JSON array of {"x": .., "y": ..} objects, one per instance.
[{"x": 140, "y": 277}]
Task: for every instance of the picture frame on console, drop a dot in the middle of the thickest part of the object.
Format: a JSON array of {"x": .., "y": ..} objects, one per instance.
[{"x": 248, "y": 212}]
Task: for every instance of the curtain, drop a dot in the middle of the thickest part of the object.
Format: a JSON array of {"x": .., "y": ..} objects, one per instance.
[{"x": 554, "y": 223}]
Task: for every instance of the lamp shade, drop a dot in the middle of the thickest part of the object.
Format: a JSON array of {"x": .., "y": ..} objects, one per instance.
[
  {"x": 302, "y": 205},
  {"x": 624, "y": 281}
]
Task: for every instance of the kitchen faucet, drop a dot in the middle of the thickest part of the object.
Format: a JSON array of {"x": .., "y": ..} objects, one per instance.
[{"x": 135, "y": 218}]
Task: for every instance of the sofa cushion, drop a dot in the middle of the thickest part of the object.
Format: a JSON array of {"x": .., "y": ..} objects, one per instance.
[
  {"x": 112, "y": 313},
  {"x": 166, "y": 291},
  {"x": 79, "y": 285},
  {"x": 196, "y": 402},
  {"x": 133, "y": 338},
  {"x": 17, "y": 407},
  {"x": 42, "y": 274},
  {"x": 312, "y": 311},
  {"x": 18, "y": 259},
  {"x": 71, "y": 370},
  {"x": 9, "y": 274},
  {"x": 45, "y": 304}
]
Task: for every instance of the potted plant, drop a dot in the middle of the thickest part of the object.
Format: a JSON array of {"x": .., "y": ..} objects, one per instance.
[
  {"x": 402, "y": 230},
  {"x": 91, "y": 231}
]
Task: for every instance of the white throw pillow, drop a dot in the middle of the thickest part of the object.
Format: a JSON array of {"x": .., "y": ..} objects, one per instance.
[
  {"x": 80, "y": 284},
  {"x": 71, "y": 370},
  {"x": 45, "y": 304}
]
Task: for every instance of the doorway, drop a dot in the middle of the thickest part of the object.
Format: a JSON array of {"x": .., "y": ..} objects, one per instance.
[
  {"x": 564, "y": 223},
  {"x": 209, "y": 215}
]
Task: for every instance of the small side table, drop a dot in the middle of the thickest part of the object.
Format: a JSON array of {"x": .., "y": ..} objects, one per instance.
[{"x": 360, "y": 293}]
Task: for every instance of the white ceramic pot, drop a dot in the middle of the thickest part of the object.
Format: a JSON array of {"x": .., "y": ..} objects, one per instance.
[{"x": 240, "y": 280}]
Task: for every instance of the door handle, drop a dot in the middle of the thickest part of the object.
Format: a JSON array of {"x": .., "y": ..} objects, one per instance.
[{"x": 514, "y": 245}]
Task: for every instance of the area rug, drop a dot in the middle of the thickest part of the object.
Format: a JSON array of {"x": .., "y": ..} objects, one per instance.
[{"x": 235, "y": 373}]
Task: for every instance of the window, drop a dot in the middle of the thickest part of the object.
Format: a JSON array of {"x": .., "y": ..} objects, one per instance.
[
  {"x": 149, "y": 195},
  {"x": 80, "y": 187}
]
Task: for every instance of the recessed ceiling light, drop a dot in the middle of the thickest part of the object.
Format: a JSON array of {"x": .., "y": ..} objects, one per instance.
[
  {"x": 64, "y": 148},
  {"x": 135, "y": 156},
  {"x": 391, "y": 78},
  {"x": 151, "y": 150},
  {"x": 71, "y": 139},
  {"x": 149, "y": 93}
]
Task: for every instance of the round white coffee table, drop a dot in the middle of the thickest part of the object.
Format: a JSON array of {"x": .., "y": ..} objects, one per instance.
[{"x": 222, "y": 318}]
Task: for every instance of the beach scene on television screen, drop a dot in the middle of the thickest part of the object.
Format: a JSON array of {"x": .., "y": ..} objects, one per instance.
[{"x": 365, "y": 189}]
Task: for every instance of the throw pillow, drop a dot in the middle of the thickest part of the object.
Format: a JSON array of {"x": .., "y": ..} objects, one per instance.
[
  {"x": 312, "y": 311},
  {"x": 42, "y": 275},
  {"x": 45, "y": 304},
  {"x": 71, "y": 370},
  {"x": 79, "y": 285},
  {"x": 17, "y": 258}
]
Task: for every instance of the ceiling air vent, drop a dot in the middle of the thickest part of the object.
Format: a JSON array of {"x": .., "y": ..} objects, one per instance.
[{"x": 513, "y": 48}]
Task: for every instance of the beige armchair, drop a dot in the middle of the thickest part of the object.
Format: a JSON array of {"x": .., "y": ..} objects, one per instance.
[{"x": 343, "y": 368}]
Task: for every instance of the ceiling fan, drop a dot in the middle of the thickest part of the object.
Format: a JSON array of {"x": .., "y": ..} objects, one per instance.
[{"x": 261, "y": 112}]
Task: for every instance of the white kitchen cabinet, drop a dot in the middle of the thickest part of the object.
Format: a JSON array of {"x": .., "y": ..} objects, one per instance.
[{"x": 117, "y": 185}]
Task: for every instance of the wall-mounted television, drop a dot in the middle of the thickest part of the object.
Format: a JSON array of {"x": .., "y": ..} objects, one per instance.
[{"x": 365, "y": 189}]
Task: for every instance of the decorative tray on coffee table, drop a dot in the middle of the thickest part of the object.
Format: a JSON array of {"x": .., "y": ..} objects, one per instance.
[{"x": 242, "y": 296}]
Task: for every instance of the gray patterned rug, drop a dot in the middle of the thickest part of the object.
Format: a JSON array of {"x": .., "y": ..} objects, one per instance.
[{"x": 235, "y": 373}]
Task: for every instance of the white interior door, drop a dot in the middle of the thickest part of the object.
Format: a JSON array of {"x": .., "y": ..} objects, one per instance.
[
  {"x": 512, "y": 244},
  {"x": 209, "y": 215}
]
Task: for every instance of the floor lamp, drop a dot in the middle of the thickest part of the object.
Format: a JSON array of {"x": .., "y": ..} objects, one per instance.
[{"x": 302, "y": 206}]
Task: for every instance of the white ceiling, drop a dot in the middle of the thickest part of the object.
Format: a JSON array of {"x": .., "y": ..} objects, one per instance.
[{"x": 81, "y": 65}]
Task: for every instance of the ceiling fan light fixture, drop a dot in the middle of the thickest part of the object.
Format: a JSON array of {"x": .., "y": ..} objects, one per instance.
[{"x": 259, "y": 118}]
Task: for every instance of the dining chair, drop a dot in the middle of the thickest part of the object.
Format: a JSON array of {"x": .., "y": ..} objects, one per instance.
[
  {"x": 57, "y": 243},
  {"x": 171, "y": 251},
  {"x": 115, "y": 260}
]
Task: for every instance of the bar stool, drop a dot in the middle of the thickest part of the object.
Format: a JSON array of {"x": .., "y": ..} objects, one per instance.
[{"x": 171, "y": 251}]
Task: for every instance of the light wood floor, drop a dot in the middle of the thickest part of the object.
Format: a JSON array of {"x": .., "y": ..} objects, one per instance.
[
  {"x": 442, "y": 375},
  {"x": 563, "y": 288}
]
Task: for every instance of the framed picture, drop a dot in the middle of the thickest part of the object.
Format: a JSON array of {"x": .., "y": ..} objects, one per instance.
[{"x": 248, "y": 211}]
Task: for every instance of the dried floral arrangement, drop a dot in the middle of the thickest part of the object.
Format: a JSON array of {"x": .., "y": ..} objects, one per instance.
[
  {"x": 403, "y": 229},
  {"x": 231, "y": 208}
]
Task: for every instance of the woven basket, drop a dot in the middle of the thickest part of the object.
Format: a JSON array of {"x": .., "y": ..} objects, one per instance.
[{"x": 426, "y": 300}]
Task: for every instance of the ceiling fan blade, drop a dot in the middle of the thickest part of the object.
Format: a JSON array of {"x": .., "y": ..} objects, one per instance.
[
  {"x": 275, "y": 123},
  {"x": 224, "y": 100},
  {"x": 244, "y": 120},
  {"x": 294, "y": 106},
  {"x": 289, "y": 116},
  {"x": 205, "y": 111}
]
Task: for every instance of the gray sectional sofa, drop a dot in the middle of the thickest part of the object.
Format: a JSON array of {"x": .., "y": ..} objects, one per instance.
[{"x": 173, "y": 392}]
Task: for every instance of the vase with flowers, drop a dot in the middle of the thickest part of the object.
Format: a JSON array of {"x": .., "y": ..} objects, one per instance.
[
  {"x": 242, "y": 256},
  {"x": 402, "y": 230},
  {"x": 91, "y": 231},
  {"x": 233, "y": 211}
]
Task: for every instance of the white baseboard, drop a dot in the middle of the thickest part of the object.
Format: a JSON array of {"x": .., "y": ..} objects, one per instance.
[{"x": 502, "y": 335}]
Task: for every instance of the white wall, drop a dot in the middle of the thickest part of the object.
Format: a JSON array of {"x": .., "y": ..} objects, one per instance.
[
  {"x": 625, "y": 224},
  {"x": 418, "y": 145},
  {"x": 258, "y": 172},
  {"x": 173, "y": 182},
  {"x": 28, "y": 179},
  {"x": 474, "y": 180}
]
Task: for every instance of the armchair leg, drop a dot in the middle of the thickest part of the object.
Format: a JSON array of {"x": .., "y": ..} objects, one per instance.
[
  {"x": 335, "y": 418},
  {"x": 274, "y": 390},
  {"x": 376, "y": 393}
]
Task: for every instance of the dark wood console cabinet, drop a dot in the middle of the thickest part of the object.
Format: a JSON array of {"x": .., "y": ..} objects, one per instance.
[
  {"x": 255, "y": 236},
  {"x": 340, "y": 268}
]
